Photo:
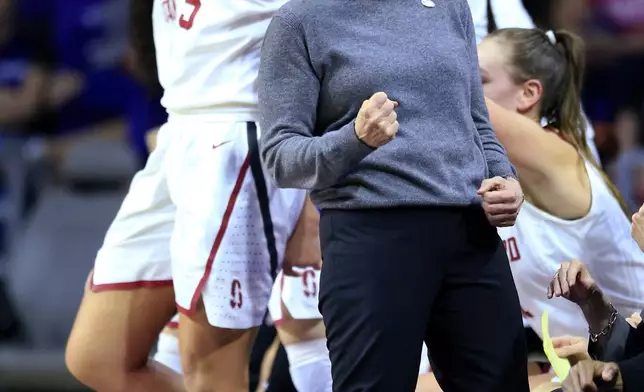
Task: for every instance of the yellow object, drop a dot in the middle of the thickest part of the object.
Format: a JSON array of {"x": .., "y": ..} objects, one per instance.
[{"x": 559, "y": 365}]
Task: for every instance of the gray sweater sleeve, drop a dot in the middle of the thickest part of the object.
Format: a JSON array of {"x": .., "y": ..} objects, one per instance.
[
  {"x": 497, "y": 161},
  {"x": 288, "y": 95}
]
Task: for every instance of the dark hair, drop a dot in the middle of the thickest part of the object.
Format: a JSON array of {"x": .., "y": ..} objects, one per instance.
[{"x": 559, "y": 66}]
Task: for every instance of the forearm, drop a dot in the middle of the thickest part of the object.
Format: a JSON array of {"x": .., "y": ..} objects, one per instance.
[
  {"x": 598, "y": 312},
  {"x": 307, "y": 162},
  {"x": 142, "y": 41},
  {"x": 309, "y": 221}
]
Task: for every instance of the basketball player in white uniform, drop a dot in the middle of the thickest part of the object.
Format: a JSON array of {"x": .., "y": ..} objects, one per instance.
[
  {"x": 200, "y": 226},
  {"x": 572, "y": 211},
  {"x": 293, "y": 307},
  {"x": 512, "y": 13}
]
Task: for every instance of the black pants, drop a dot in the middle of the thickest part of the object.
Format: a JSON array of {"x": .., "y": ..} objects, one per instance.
[{"x": 395, "y": 277}]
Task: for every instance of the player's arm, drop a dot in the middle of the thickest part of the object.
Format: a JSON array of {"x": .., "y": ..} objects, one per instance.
[
  {"x": 143, "y": 53},
  {"x": 22, "y": 103},
  {"x": 303, "y": 248},
  {"x": 545, "y": 155}
]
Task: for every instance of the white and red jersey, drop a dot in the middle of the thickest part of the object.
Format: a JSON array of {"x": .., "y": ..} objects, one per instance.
[
  {"x": 507, "y": 13},
  {"x": 208, "y": 55},
  {"x": 539, "y": 242}
]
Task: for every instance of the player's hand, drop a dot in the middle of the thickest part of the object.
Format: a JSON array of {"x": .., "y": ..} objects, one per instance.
[
  {"x": 593, "y": 376},
  {"x": 573, "y": 282},
  {"x": 502, "y": 200},
  {"x": 572, "y": 348},
  {"x": 637, "y": 227},
  {"x": 634, "y": 320},
  {"x": 303, "y": 248},
  {"x": 376, "y": 123}
]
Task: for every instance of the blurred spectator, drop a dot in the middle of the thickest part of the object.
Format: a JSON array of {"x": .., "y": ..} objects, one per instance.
[
  {"x": 23, "y": 76},
  {"x": 628, "y": 168},
  {"x": 614, "y": 34}
]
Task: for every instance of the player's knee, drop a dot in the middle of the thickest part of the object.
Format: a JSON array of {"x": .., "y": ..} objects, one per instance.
[
  {"x": 201, "y": 380},
  {"x": 196, "y": 381},
  {"x": 294, "y": 331},
  {"x": 92, "y": 368}
]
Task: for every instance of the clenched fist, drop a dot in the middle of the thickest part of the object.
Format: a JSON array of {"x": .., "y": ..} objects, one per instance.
[{"x": 377, "y": 123}]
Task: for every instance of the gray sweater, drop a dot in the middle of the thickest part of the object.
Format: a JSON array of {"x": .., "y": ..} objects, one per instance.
[{"x": 322, "y": 58}]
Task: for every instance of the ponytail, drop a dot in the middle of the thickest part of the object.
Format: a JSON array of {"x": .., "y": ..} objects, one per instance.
[{"x": 566, "y": 112}]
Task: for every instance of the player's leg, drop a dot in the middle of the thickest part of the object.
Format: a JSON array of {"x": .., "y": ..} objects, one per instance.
[
  {"x": 294, "y": 307},
  {"x": 231, "y": 230},
  {"x": 129, "y": 296},
  {"x": 112, "y": 337}
]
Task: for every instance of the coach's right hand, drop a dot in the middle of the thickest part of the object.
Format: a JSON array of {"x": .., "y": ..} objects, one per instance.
[{"x": 376, "y": 123}]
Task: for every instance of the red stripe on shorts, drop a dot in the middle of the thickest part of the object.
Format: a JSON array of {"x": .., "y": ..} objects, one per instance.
[{"x": 218, "y": 238}]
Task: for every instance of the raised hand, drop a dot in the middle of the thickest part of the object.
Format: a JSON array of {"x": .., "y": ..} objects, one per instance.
[{"x": 376, "y": 123}]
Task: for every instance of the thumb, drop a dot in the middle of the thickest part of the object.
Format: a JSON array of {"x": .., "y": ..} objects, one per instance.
[
  {"x": 489, "y": 184},
  {"x": 396, "y": 104},
  {"x": 608, "y": 372}
]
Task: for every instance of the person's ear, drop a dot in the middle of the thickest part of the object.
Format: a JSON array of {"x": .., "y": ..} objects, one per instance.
[{"x": 529, "y": 95}]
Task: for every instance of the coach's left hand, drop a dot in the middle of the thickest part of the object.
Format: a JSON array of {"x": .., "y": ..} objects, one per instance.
[
  {"x": 586, "y": 375},
  {"x": 502, "y": 199}
]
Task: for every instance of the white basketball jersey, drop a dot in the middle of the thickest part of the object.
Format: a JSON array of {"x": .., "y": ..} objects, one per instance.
[
  {"x": 507, "y": 13},
  {"x": 208, "y": 55},
  {"x": 539, "y": 242}
]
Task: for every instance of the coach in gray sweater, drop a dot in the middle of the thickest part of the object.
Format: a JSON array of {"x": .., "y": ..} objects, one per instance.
[{"x": 377, "y": 108}]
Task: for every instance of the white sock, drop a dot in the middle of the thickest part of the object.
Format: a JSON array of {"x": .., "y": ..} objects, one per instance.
[{"x": 310, "y": 366}]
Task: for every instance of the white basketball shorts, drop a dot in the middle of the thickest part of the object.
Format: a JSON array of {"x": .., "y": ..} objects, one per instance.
[
  {"x": 297, "y": 295},
  {"x": 202, "y": 216}
]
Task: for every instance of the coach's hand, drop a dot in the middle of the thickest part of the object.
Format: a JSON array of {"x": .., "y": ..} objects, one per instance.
[
  {"x": 573, "y": 282},
  {"x": 376, "y": 123},
  {"x": 637, "y": 227},
  {"x": 593, "y": 376},
  {"x": 303, "y": 248},
  {"x": 502, "y": 199}
]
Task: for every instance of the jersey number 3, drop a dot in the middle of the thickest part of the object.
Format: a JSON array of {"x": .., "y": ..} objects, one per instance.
[{"x": 186, "y": 23}]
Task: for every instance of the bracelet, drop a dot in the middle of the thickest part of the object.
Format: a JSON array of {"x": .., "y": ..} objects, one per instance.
[{"x": 594, "y": 336}]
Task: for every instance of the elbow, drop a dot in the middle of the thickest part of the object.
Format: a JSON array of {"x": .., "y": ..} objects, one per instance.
[{"x": 276, "y": 172}]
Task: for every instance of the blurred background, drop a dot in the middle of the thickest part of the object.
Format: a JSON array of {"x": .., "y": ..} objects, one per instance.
[{"x": 73, "y": 118}]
